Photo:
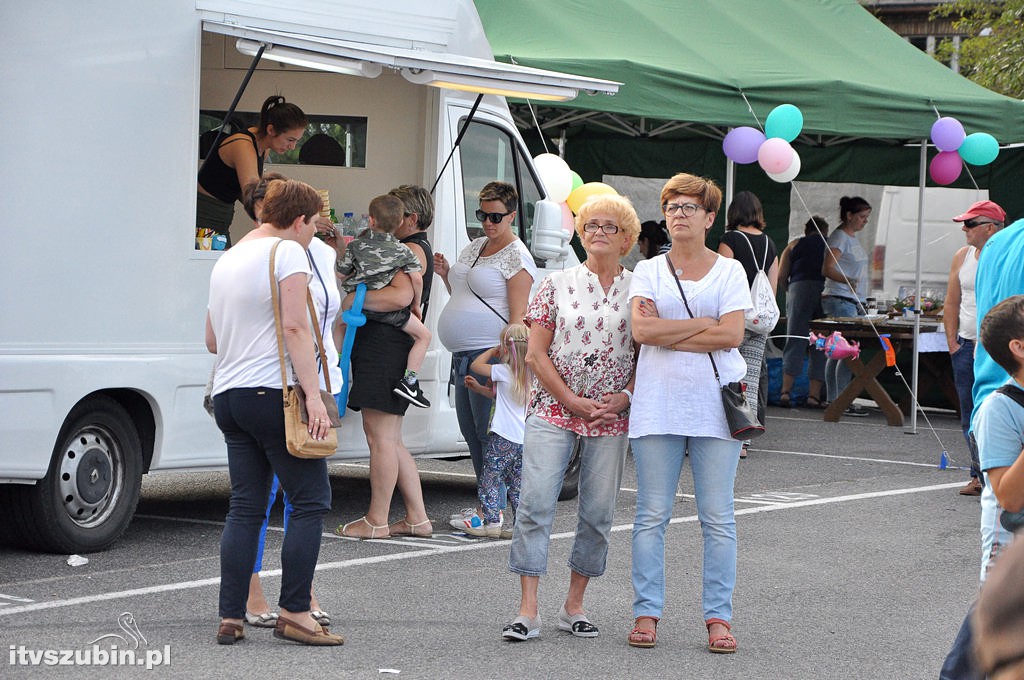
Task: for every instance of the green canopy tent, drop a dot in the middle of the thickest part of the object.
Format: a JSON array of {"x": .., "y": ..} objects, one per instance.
[{"x": 691, "y": 70}]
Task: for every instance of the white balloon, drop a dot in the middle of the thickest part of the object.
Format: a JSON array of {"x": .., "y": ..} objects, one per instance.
[
  {"x": 790, "y": 173},
  {"x": 556, "y": 176}
]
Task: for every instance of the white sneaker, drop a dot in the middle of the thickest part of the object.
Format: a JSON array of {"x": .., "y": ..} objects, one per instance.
[{"x": 468, "y": 517}]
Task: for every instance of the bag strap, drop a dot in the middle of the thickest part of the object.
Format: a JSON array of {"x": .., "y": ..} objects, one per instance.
[
  {"x": 753, "y": 255},
  {"x": 1013, "y": 392},
  {"x": 672, "y": 273},
  {"x": 503, "y": 319},
  {"x": 276, "y": 303}
]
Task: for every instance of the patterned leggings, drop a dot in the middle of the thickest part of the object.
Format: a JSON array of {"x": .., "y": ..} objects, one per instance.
[{"x": 503, "y": 462}]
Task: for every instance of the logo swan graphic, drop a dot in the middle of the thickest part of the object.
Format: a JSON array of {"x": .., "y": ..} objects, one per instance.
[{"x": 132, "y": 637}]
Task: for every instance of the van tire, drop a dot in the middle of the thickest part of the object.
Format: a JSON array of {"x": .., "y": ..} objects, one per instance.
[
  {"x": 571, "y": 480},
  {"x": 88, "y": 496}
]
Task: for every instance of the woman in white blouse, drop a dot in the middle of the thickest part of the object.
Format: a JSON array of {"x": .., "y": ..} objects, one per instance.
[
  {"x": 677, "y": 408},
  {"x": 490, "y": 286}
]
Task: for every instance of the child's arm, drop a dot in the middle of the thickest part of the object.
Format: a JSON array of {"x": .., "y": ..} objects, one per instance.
[
  {"x": 481, "y": 365},
  {"x": 1008, "y": 485},
  {"x": 471, "y": 383}
]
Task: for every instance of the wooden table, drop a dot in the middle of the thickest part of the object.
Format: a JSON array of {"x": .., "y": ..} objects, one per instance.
[{"x": 865, "y": 374}]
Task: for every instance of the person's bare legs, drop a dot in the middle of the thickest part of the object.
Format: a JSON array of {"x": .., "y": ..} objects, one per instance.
[
  {"x": 528, "y": 600},
  {"x": 409, "y": 485},
  {"x": 420, "y": 335},
  {"x": 383, "y": 435},
  {"x": 257, "y": 601},
  {"x": 577, "y": 587}
]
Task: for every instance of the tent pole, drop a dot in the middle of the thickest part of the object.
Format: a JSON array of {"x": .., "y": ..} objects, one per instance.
[
  {"x": 730, "y": 181},
  {"x": 917, "y": 284}
]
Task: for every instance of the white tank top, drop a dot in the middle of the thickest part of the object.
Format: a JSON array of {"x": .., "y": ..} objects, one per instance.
[{"x": 968, "y": 306}]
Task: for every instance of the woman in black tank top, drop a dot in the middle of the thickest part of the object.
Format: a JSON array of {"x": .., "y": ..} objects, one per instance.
[{"x": 238, "y": 161}]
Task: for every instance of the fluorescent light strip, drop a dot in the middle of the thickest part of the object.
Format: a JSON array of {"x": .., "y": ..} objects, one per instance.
[{"x": 313, "y": 60}]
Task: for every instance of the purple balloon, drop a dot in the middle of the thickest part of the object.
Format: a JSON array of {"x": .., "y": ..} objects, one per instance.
[
  {"x": 742, "y": 143},
  {"x": 948, "y": 134},
  {"x": 945, "y": 167}
]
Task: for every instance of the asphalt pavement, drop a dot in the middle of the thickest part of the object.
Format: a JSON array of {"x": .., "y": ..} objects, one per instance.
[{"x": 857, "y": 559}]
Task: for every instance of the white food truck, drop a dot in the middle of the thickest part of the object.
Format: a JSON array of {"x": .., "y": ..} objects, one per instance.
[{"x": 104, "y": 292}]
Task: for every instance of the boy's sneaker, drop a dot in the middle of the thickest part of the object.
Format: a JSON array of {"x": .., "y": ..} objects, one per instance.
[
  {"x": 412, "y": 392},
  {"x": 856, "y": 410},
  {"x": 488, "y": 530}
]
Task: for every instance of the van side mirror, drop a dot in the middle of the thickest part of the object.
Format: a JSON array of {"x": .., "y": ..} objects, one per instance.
[{"x": 550, "y": 241}]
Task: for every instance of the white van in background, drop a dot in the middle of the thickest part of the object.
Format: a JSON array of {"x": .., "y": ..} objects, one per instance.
[{"x": 103, "y": 292}]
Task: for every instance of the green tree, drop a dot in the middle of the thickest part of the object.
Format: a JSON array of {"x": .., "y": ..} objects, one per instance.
[{"x": 992, "y": 53}]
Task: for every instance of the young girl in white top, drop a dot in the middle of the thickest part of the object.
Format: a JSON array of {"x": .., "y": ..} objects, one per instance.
[{"x": 503, "y": 459}]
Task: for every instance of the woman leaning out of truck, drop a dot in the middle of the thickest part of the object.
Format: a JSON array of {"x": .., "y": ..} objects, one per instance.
[
  {"x": 247, "y": 394},
  {"x": 846, "y": 285},
  {"x": 490, "y": 287},
  {"x": 238, "y": 161}
]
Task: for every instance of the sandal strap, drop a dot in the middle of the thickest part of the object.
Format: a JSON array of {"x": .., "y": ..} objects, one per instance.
[{"x": 708, "y": 623}]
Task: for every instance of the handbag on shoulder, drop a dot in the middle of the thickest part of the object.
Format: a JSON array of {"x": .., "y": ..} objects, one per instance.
[{"x": 300, "y": 443}]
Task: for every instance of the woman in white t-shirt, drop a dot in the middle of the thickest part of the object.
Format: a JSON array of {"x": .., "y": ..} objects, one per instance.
[
  {"x": 247, "y": 398},
  {"x": 490, "y": 287},
  {"x": 677, "y": 408}
]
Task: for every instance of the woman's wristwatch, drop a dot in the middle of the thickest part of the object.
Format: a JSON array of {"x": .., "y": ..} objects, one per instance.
[{"x": 629, "y": 395}]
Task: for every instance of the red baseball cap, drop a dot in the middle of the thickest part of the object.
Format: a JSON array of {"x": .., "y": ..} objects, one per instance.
[{"x": 987, "y": 209}]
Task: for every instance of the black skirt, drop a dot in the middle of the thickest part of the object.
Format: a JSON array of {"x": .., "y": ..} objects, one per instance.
[{"x": 379, "y": 357}]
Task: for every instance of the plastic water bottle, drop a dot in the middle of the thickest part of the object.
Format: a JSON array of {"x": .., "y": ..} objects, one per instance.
[
  {"x": 364, "y": 223},
  {"x": 348, "y": 225}
]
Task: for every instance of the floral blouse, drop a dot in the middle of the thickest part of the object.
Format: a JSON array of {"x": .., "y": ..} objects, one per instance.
[{"x": 592, "y": 348}]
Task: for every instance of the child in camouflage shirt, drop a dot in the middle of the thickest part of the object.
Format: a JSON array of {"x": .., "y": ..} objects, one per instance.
[{"x": 373, "y": 258}]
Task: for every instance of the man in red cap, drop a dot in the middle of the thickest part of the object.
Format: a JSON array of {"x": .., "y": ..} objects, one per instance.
[{"x": 980, "y": 222}]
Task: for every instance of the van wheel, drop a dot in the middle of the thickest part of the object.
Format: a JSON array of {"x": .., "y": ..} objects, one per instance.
[
  {"x": 88, "y": 496},
  {"x": 571, "y": 481}
]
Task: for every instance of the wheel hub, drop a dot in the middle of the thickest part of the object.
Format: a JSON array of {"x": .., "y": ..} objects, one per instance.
[{"x": 88, "y": 478}]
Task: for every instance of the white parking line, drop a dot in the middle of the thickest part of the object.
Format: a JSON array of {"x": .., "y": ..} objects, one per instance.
[{"x": 481, "y": 545}]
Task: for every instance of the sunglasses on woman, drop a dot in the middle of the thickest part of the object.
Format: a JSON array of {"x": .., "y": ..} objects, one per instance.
[{"x": 493, "y": 218}]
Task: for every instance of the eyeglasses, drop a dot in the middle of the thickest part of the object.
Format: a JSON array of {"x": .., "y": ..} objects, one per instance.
[
  {"x": 971, "y": 224},
  {"x": 493, "y": 218},
  {"x": 592, "y": 227},
  {"x": 687, "y": 209}
]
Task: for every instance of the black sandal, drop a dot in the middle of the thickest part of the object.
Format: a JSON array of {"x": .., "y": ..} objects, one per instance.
[
  {"x": 814, "y": 403},
  {"x": 784, "y": 400}
]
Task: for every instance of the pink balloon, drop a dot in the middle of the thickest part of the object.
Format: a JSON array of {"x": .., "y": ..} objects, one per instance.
[
  {"x": 775, "y": 155},
  {"x": 948, "y": 134},
  {"x": 945, "y": 167},
  {"x": 568, "y": 221},
  {"x": 741, "y": 144}
]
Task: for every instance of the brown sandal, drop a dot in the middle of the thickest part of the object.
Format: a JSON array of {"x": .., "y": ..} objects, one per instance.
[
  {"x": 644, "y": 637},
  {"x": 317, "y": 636},
  {"x": 729, "y": 641},
  {"x": 405, "y": 528},
  {"x": 229, "y": 633}
]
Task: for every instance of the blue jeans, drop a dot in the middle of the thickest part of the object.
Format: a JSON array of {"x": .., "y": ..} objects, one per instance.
[
  {"x": 803, "y": 303},
  {"x": 837, "y": 373},
  {"x": 963, "y": 376},
  {"x": 253, "y": 425},
  {"x": 959, "y": 663},
  {"x": 546, "y": 453},
  {"x": 659, "y": 462},
  {"x": 473, "y": 410}
]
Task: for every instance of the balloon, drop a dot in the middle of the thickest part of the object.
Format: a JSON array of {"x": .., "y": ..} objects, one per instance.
[
  {"x": 580, "y": 195},
  {"x": 568, "y": 221},
  {"x": 947, "y": 134},
  {"x": 785, "y": 121},
  {"x": 577, "y": 181},
  {"x": 945, "y": 167},
  {"x": 979, "y": 148},
  {"x": 790, "y": 173},
  {"x": 775, "y": 155},
  {"x": 742, "y": 143},
  {"x": 555, "y": 174}
]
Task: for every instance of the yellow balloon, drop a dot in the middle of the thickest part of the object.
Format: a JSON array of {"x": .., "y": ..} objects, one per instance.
[{"x": 581, "y": 193}]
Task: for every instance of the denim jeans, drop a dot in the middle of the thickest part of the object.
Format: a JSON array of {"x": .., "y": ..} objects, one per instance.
[
  {"x": 803, "y": 303},
  {"x": 837, "y": 374},
  {"x": 253, "y": 425},
  {"x": 473, "y": 410},
  {"x": 963, "y": 376},
  {"x": 546, "y": 453},
  {"x": 959, "y": 663},
  {"x": 659, "y": 462}
]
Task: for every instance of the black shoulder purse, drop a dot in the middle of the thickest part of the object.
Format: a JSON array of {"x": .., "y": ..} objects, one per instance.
[{"x": 742, "y": 420}]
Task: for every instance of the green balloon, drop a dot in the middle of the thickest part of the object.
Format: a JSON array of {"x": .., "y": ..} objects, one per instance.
[
  {"x": 979, "y": 148},
  {"x": 577, "y": 181}
]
